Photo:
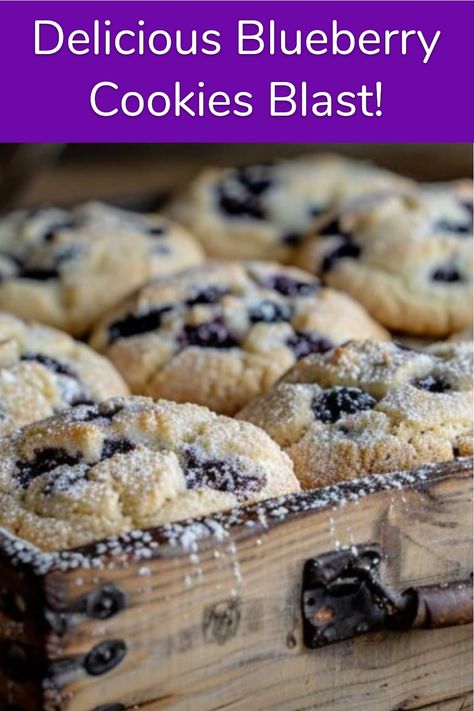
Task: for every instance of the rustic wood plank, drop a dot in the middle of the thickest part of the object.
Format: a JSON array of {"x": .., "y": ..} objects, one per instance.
[{"x": 182, "y": 655}]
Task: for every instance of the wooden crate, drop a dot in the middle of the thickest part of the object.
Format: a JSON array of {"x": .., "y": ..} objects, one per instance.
[{"x": 208, "y": 614}]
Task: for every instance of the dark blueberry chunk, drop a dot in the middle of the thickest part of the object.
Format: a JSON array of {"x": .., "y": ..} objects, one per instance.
[
  {"x": 256, "y": 178},
  {"x": 91, "y": 412},
  {"x": 240, "y": 194},
  {"x": 288, "y": 286},
  {"x": 55, "y": 228},
  {"x": 333, "y": 228},
  {"x": 433, "y": 383},
  {"x": 347, "y": 249},
  {"x": 269, "y": 312},
  {"x": 132, "y": 325},
  {"x": 242, "y": 207},
  {"x": 302, "y": 344},
  {"x": 66, "y": 480},
  {"x": 208, "y": 295},
  {"x": 458, "y": 228},
  {"x": 116, "y": 446},
  {"x": 51, "y": 363},
  {"x": 221, "y": 475},
  {"x": 45, "y": 461},
  {"x": 332, "y": 404},
  {"x": 448, "y": 274},
  {"x": 156, "y": 230},
  {"x": 38, "y": 273},
  {"x": 213, "y": 334},
  {"x": 316, "y": 210},
  {"x": 292, "y": 239}
]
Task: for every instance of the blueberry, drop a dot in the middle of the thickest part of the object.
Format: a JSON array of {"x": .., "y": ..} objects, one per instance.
[
  {"x": 223, "y": 475},
  {"x": 240, "y": 194},
  {"x": 433, "y": 384},
  {"x": 302, "y": 344},
  {"x": 289, "y": 286},
  {"x": 346, "y": 249},
  {"x": 213, "y": 334},
  {"x": 332, "y": 404},
  {"x": 116, "y": 446},
  {"x": 156, "y": 230},
  {"x": 134, "y": 325},
  {"x": 269, "y": 312},
  {"x": 45, "y": 460},
  {"x": 333, "y": 228},
  {"x": 208, "y": 295},
  {"x": 91, "y": 412},
  {"x": 447, "y": 273},
  {"x": 461, "y": 228},
  {"x": 38, "y": 273},
  {"x": 64, "y": 481},
  {"x": 51, "y": 363},
  {"x": 57, "y": 227},
  {"x": 292, "y": 239}
]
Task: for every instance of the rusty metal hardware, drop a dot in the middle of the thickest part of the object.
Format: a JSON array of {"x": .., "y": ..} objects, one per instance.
[{"x": 343, "y": 596}]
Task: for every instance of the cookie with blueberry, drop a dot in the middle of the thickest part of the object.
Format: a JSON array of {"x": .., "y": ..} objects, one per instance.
[
  {"x": 44, "y": 371},
  {"x": 370, "y": 407},
  {"x": 129, "y": 463},
  {"x": 407, "y": 257},
  {"x": 220, "y": 334},
  {"x": 65, "y": 268},
  {"x": 264, "y": 211}
]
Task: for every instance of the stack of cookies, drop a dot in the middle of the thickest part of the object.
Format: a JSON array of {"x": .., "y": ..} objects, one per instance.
[{"x": 244, "y": 345}]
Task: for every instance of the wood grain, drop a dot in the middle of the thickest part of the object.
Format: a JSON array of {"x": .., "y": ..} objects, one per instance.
[{"x": 221, "y": 629}]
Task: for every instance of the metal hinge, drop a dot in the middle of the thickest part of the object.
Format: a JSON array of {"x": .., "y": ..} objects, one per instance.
[{"x": 343, "y": 596}]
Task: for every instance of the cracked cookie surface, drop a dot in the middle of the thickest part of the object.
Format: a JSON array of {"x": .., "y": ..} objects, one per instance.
[
  {"x": 65, "y": 268},
  {"x": 220, "y": 334},
  {"x": 406, "y": 257},
  {"x": 370, "y": 407},
  {"x": 128, "y": 463},
  {"x": 264, "y": 211},
  {"x": 44, "y": 371}
]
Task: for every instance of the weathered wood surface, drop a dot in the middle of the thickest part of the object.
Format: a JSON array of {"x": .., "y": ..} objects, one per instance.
[{"x": 219, "y": 627}]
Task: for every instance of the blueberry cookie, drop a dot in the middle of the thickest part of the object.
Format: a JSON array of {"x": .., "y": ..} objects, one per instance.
[
  {"x": 370, "y": 407},
  {"x": 406, "y": 257},
  {"x": 263, "y": 211},
  {"x": 44, "y": 371},
  {"x": 128, "y": 463},
  {"x": 220, "y": 334},
  {"x": 65, "y": 268}
]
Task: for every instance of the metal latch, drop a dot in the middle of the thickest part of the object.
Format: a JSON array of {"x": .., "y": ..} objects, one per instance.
[{"x": 343, "y": 596}]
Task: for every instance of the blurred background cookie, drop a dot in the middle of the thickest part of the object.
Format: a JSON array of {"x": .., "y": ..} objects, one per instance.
[
  {"x": 222, "y": 333},
  {"x": 44, "y": 371},
  {"x": 65, "y": 268},
  {"x": 264, "y": 211},
  {"x": 407, "y": 257}
]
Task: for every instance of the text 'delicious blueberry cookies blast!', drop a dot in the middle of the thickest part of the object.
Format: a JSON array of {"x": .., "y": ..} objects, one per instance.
[
  {"x": 128, "y": 463},
  {"x": 370, "y": 407},
  {"x": 223, "y": 333}
]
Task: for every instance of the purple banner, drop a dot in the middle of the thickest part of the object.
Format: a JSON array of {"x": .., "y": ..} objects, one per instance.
[{"x": 237, "y": 71}]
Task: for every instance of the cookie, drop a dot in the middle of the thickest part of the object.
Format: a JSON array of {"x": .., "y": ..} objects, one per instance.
[
  {"x": 406, "y": 257},
  {"x": 263, "y": 211},
  {"x": 44, "y": 371},
  {"x": 128, "y": 463},
  {"x": 370, "y": 407},
  {"x": 220, "y": 334},
  {"x": 65, "y": 268}
]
